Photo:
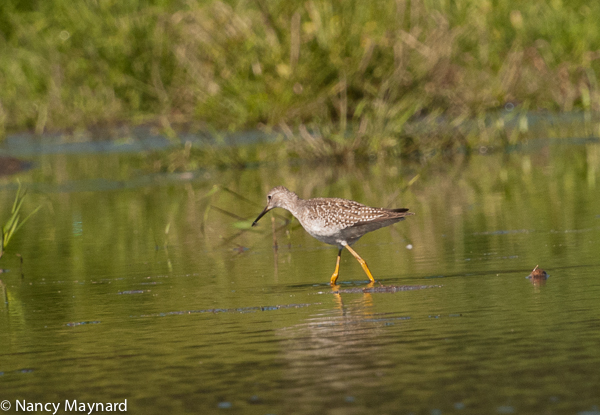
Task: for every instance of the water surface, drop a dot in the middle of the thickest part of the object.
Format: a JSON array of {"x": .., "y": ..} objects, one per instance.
[{"x": 150, "y": 287}]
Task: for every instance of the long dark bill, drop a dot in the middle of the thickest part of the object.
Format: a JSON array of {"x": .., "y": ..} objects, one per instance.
[{"x": 261, "y": 215}]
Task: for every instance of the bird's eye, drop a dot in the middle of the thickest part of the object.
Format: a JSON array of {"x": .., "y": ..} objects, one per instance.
[{"x": 269, "y": 197}]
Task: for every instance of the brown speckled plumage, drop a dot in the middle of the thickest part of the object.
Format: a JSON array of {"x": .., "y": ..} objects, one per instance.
[{"x": 335, "y": 221}]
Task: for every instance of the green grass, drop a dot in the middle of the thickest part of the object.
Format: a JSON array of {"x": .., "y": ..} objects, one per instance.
[
  {"x": 14, "y": 222},
  {"x": 342, "y": 77}
]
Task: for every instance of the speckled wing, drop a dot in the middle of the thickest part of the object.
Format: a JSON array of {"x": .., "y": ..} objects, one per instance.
[
  {"x": 385, "y": 217},
  {"x": 344, "y": 213},
  {"x": 393, "y": 215}
]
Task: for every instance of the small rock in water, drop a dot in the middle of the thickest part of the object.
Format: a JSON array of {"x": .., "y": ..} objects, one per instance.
[
  {"x": 11, "y": 165},
  {"x": 538, "y": 276},
  {"x": 538, "y": 273}
]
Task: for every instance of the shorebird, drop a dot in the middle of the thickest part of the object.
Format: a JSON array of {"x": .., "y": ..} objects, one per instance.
[{"x": 339, "y": 222}]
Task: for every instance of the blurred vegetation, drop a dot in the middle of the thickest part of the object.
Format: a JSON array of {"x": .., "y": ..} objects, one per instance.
[{"x": 339, "y": 78}]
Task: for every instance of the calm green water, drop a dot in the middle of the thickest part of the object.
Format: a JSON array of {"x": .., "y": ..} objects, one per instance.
[{"x": 211, "y": 319}]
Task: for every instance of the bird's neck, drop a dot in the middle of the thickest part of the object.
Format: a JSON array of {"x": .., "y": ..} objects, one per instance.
[{"x": 293, "y": 204}]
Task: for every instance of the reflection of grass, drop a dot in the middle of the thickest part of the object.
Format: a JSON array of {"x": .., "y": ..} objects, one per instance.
[
  {"x": 453, "y": 201},
  {"x": 4, "y": 296},
  {"x": 241, "y": 223},
  {"x": 345, "y": 77},
  {"x": 425, "y": 140},
  {"x": 14, "y": 222}
]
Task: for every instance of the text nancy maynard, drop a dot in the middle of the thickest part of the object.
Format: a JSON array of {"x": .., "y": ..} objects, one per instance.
[{"x": 71, "y": 406}]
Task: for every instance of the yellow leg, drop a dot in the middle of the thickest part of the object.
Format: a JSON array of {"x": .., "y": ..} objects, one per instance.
[
  {"x": 334, "y": 277},
  {"x": 362, "y": 262}
]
